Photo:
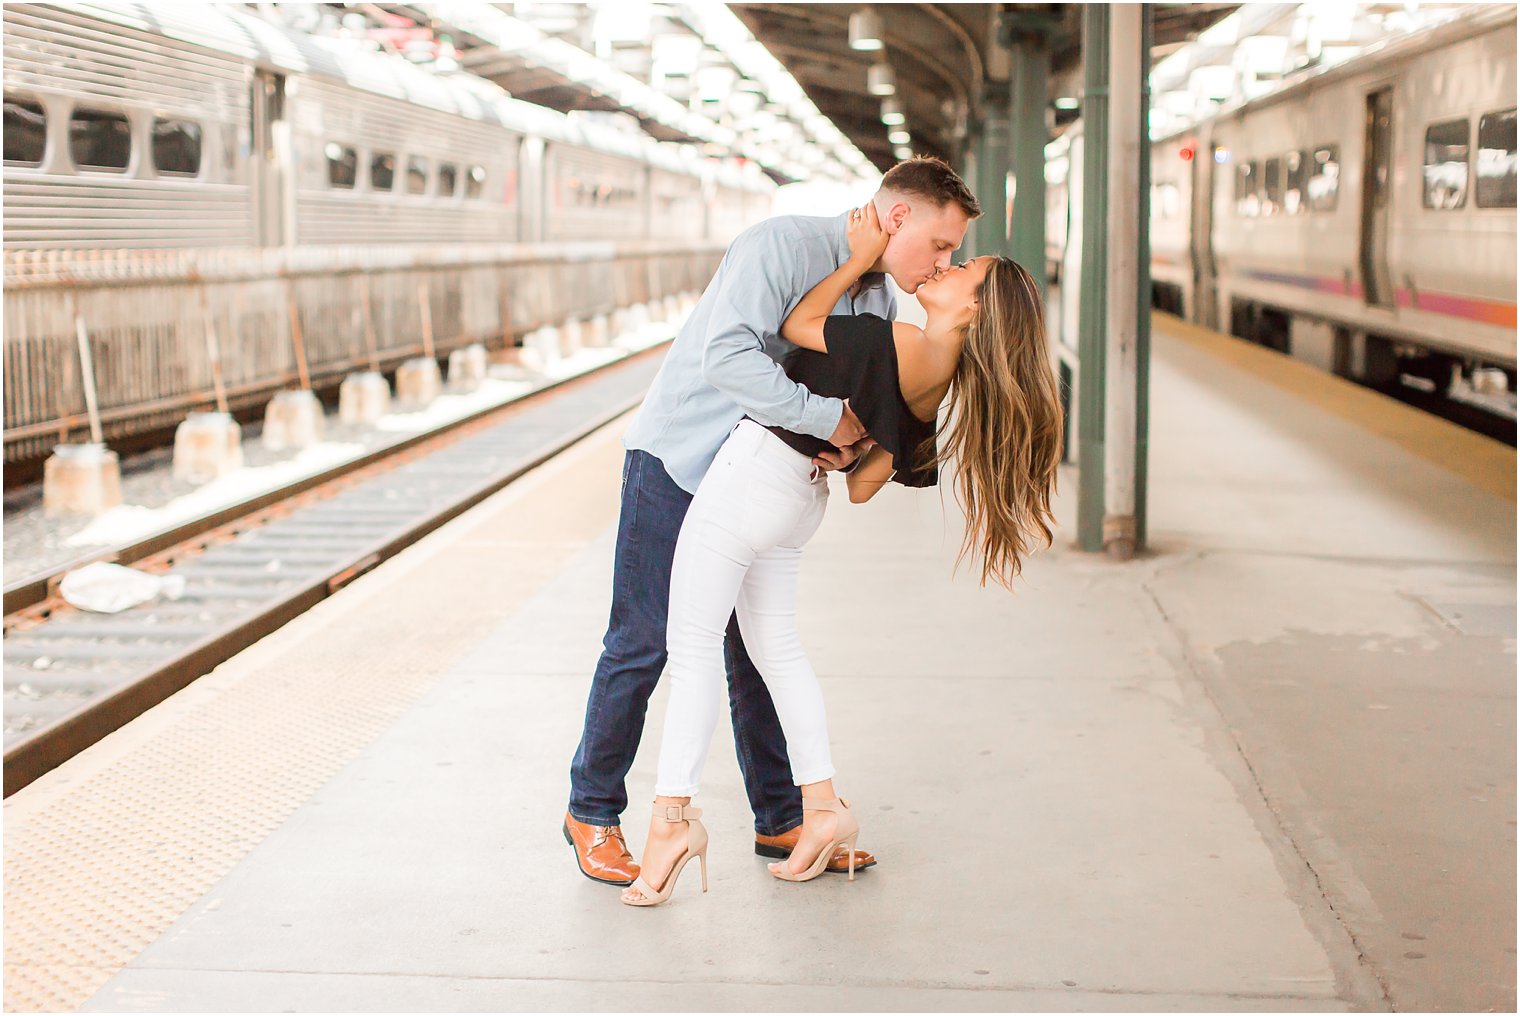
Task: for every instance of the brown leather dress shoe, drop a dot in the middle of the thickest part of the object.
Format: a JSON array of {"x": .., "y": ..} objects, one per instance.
[
  {"x": 601, "y": 852},
  {"x": 781, "y": 846}
]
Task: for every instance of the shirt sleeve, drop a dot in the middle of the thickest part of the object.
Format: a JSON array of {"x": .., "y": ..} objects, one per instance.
[{"x": 761, "y": 281}]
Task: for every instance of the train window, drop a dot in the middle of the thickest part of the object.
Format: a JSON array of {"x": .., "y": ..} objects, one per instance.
[
  {"x": 1446, "y": 147},
  {"x": 1272, "y": 188},
  {"x": 100, "y": 139},
  {"x": 1496, "y": 159},
  {"x": 1293, "y": 193},
  {"x": 1324, "y": 178},
  {"x": 1247, "y": 189},
  {"x": 448, "y": 173},
  {"x": 342, "y": 166},
  {"x": 382, "y": 171},
  {"x": 475, "y": 182},
  {"x": 416, "y": 174},
  {"x": 177, "y": 147},
  {"x": 1166, "y": 201},
  {"x": 25, "y": 132}
]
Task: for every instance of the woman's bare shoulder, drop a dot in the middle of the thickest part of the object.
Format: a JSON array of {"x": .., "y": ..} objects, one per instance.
[
  {"x": 902, "y": 332},
  {"x": 912, "y": 349}
]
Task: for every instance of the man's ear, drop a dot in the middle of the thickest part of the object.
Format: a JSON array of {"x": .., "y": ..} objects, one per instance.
[{"x": 895, "y": 217}]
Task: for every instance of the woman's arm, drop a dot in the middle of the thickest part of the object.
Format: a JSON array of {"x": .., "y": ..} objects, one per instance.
[
  {"x": 804, "y": 325},
  {"x": 873, "y": 472}
]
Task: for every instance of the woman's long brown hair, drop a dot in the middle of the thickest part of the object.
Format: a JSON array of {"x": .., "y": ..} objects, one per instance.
[{"x": 1004, "y": 425}]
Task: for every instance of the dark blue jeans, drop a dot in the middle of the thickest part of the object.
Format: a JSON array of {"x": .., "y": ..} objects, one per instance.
[{"x": 633, "y": 657}]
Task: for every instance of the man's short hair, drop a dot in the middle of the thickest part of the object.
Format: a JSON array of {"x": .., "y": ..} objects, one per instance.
[{"x": 926, "y": 177}]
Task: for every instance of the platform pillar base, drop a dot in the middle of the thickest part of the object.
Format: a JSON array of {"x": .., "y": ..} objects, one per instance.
[
  {"x": 572, "y": 337},
  {"x": 207, "y": 446},
  {"x": 542, "y": 347},
  {"x": 596, "y": 332},
  {"x": 418, "y": 382},
  {"x": 467, "y": 368},
  {"x": 363, "y": 398},
  {"x": 292, "y": 420},
  {"x": 82, "y": 479}
]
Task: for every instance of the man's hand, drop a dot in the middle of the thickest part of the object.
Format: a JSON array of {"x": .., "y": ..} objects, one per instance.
[
  {"x": 849, "y": 430},
  {"x": 845, "y": 456}
]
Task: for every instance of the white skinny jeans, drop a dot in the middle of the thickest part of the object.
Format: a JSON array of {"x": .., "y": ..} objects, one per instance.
[{"x": 739, "y": 551}]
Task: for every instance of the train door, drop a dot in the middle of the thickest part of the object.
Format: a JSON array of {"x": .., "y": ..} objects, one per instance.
[
  {"x": 1377, "y": 178},
  {"x": 269, "y": 158}
]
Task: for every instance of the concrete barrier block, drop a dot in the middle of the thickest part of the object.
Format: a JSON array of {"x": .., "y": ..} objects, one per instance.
[
  {"x": 571, "y": 337},
  {"x": 545, "y": 343},
  {"x": 292, "y": 420},
  {"x": 82, "y": 479},
  {"x": 515, "y": 363},
  {"x": 418, "y": 382},
  {"x": 206, "y": 446},
  {"x": 597, "y": 332},
  {"x": 363, "y": 397},
  {"x": 467, "y": 368}
]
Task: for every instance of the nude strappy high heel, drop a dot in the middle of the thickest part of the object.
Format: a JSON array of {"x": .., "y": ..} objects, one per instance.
[
  {"x": 845, "y": 833},
  {"x": 696, "y": 846}
]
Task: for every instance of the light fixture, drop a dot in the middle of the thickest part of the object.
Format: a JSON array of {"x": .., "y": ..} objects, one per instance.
[
  {"x": 1067, "y": 102},
  {"x": 899, "y": 136},
  {"x": 902, "y": 152},
  {"x": 865, "y": 30},
  {"x": 880, "y": 80},
  {"x": 892, "y": 112}
]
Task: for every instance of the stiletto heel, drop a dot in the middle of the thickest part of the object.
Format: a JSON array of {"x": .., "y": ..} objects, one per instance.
[
  {"x": 846, "y": 830},
  {"x": 696, "y": 846}
]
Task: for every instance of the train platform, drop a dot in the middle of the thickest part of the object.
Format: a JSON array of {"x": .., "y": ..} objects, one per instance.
[{"x": 1269, "y": 765}]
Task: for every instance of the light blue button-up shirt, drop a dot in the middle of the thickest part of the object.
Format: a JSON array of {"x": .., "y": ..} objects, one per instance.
[{"x": 725, "y": 363}]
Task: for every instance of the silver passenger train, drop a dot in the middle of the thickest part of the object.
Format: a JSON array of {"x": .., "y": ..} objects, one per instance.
[
  {"x": 175, "y": 169},
  {"x": 1361, "y": 218}
]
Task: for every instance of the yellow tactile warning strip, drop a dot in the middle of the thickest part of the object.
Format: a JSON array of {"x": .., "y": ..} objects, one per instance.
[
  {"x": 1483, "y": 462},
  {"x": 105, "y": 853}
]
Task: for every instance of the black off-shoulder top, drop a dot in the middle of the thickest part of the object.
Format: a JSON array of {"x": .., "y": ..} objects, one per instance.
[{"x": 861, "y": 365}]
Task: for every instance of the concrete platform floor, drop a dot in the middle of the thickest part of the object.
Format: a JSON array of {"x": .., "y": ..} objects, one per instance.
[{"x": 1269, "y": 767}]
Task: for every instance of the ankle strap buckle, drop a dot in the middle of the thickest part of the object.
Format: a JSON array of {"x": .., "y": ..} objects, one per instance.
[{"x": 677, "y": 812}]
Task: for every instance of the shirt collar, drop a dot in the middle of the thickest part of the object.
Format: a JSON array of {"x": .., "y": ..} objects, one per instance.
[{"x": 868, "y": 281}]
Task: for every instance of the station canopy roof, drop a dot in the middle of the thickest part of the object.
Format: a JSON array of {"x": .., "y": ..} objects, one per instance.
[{"x": 839, "y": 90}]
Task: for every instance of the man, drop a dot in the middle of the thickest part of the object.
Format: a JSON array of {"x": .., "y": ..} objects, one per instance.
[{"x": 723, "y": 366}]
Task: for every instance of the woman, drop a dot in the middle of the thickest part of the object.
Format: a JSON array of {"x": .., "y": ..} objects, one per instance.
[{"x": 741, "y": 542}]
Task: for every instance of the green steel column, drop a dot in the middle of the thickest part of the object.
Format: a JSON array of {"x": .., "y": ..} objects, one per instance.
[
  {"x": 1027, "y": 87},
  {"x": 969, "y": 168},
  {"x": 1091, "y": 353},
  {"x": 992, "y": 177},
  {"x": 1143, "y": 332}
]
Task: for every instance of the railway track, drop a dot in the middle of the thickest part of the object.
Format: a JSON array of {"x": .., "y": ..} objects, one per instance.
[{"x": 73, "y": 677}]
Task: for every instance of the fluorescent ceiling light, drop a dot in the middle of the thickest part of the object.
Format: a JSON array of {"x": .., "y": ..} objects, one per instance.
[{"x": 865, "y": 30}]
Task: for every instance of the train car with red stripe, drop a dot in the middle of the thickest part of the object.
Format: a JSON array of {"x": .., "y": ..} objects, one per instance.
[{"x": 1361, "y": 217}]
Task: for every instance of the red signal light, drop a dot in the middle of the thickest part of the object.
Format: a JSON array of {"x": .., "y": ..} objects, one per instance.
[{"x": 1187, "y": 153}]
